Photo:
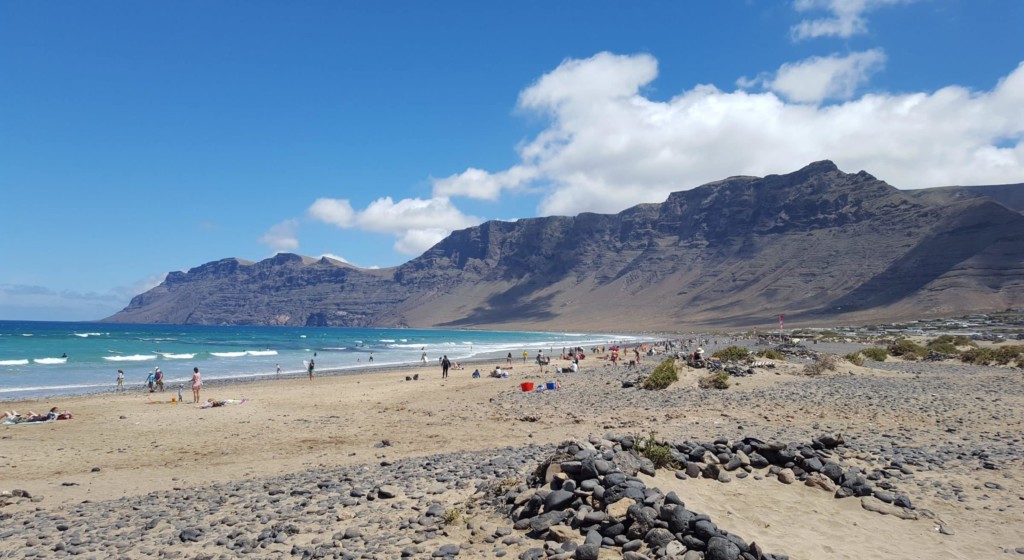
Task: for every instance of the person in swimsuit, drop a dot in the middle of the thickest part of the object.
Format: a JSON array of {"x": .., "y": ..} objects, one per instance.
[{"x": 197, "y": 384}]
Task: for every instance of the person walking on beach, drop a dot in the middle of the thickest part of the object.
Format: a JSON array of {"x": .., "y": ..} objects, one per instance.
[
  {"x": 311, "y": 367},
  {"x": 508, "y": 359},
  {"x": 151, "y": 380},
  {"x": 279, "y": 370},
  {"x": 197, "y": 384},
  {"x": 120, "y": 380},
  {"x": 159, "y": 380},
  {"x": 525, "y": 354},
  {"x": 423, "y": 358},
  {"x": 445, "y": 364},
  {"x": 371, "y": 357}
]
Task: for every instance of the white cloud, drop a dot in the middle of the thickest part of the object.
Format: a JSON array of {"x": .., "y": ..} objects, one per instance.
[
  {"x": 416, "y": 223},
  {"x": 416, "y": 241},
  {"x": 819, "y": 78},
  {"x": 846, "y": 20},
  {"x": 282, "y": 237},
  {"x": 477, "y": 183},
  {"x": 332, "y": 211},
  {"x": 608, "y": 147}
]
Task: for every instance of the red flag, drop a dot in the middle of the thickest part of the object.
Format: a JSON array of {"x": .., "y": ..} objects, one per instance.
[{"x": 781, "y": 317}]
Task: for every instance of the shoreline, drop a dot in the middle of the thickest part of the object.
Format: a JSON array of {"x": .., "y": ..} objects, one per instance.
[
  {"x": 91, "y": 374},
  {"x": 217, "y": 382}
]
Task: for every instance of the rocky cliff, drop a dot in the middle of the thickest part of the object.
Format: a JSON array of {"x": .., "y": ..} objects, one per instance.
[{"x": 817, "y": 244}]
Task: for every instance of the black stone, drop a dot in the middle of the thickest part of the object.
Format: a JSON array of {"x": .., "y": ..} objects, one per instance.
[{"x": 720, "y": 548}]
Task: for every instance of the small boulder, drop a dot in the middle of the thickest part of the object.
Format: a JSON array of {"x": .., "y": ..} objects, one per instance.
[{"x": 786, "y": 476}]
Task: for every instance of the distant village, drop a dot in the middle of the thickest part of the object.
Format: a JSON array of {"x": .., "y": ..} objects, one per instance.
[{"x": 991, "y": 327}]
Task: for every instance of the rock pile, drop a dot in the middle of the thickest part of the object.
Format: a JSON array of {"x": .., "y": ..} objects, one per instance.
[
  {"x": 815, "y": 464},
  {"x": 790, "y": 349},
  {"x": 586, "y": 497},
  {"x": 735, "y": 370},
  {"x": 588, "y": 491}
]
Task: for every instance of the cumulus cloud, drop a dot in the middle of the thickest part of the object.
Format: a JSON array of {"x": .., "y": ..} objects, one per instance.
[
  {"x": 823, "y": 77},
  {"x": 479, "y": 184},
  {"x": 333, "y": 211},
  {"x": 846, "y": 19},
  {"x": 281, "y": 237},
  {"x": 607, "y": 146},
  {"x": 416, "y": 223}
]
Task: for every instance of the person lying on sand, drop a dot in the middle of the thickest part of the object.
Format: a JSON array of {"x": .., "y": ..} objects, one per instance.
[
  {"x": 13, "y": 417},
  {"x": 211, "y": 403}
]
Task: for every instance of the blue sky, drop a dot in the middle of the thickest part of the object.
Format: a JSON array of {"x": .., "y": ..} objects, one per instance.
[{"x": 138, "y": 138}]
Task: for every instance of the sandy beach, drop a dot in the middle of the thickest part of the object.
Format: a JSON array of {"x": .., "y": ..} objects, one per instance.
[{"x": 954, "y": 429}]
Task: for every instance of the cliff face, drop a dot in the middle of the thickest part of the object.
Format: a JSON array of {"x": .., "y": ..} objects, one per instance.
[{"x": 817, "y": 244}]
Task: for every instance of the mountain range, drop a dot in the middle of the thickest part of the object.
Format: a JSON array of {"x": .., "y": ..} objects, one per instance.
[{"x": 818, "y": 245}]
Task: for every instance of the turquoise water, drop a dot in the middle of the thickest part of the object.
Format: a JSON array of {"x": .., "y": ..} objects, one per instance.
[{"x": 32, "y": 362}]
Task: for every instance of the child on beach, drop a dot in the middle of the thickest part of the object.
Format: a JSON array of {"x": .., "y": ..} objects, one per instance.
[{"x": 120, "y": 381}]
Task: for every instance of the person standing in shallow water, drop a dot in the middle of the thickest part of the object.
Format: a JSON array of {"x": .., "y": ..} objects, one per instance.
[
  {"x": 197, "y": 384},
  {"x": 311, "y": 367},
  {"x": 445, "y": 364}
]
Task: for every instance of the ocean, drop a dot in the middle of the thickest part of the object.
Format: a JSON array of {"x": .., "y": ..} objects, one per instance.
[{"x": 39, "y": 359}]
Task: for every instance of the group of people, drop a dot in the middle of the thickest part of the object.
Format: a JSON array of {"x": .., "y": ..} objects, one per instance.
[
  {"x": 155, "y": 382},
  {"x": 14, "y": 417}
]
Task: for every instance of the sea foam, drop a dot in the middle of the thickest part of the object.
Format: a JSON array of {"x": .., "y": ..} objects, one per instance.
[
  {"x": 132, "y": 358},
  {"x": 50, "y": 361}
]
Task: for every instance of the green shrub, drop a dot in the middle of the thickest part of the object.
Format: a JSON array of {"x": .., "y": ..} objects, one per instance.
[
  {"x": 771, "y": 354},
  {"x": 732, "y": 354},
  {"x": 718, "y": 380},
  {"x": 451, "y": 516},
  {"x": 948, "y": 340},
  {"x": 854, "y": 358},
  {"x": 875, "y": 353},
  {"x": 907, "y": 349},
  {"x": 943, "y": 347},
  {"x": 978, "y": 356},
  {"x": 1006, "y": 354},
  {"x": 662, "y": 376},
  {"x": 659, "y": 454}
]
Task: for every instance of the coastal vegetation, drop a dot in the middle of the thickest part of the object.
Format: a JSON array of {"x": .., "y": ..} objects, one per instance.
[
  {"x": 732, "y": 354},
  {"x": 875, "y": 353},
  {"x": 718, "y": 380},
  {"x": 658, "y": 453},
  {"x": 771, "y": 354},
  {"x": 855, "y": 358},
  {"x": 662, "y": 376},
  {"x": 823, "y": 363},
  {"x": 907, "y": 349}
]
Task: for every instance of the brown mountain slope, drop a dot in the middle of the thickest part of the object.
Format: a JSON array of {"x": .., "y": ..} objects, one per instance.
[
  {"x": 1010, "y": 196},
  {"x": 817, "y": 244}
]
